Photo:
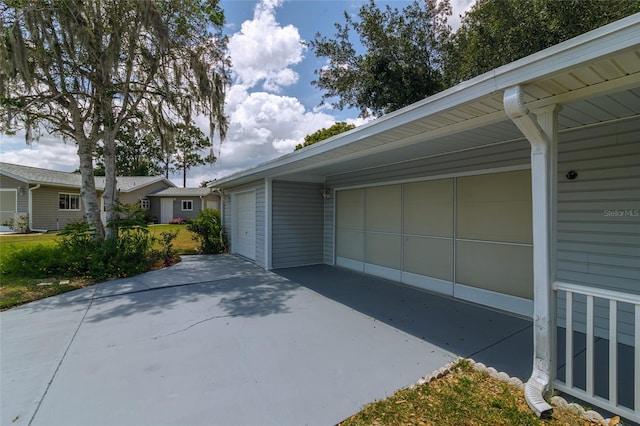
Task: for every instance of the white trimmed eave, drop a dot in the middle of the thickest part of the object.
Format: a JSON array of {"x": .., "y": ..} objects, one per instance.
[{"x": 593, "y": 65}]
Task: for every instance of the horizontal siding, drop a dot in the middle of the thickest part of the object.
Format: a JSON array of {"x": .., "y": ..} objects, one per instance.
[
  {"x": 297, "y": 224},
  {"x": 22, "y": 201},
  {"x": 504, "y": 155},
  {"x": 598, "y": 219},
  {"x": 46, "y": 214}
]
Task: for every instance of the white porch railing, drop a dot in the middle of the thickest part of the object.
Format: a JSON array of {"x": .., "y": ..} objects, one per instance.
[{"x": 600, "y": 333}]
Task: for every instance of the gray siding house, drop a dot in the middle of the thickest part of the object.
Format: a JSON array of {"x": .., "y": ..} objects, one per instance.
[
  {"x": 51, "y": 199},
  {"x": 518, "y": 190},
  {"x": 183, "y": 203}
]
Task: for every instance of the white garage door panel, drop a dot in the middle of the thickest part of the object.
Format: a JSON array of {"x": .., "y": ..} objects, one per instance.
[{"x": 245, "y": 236}]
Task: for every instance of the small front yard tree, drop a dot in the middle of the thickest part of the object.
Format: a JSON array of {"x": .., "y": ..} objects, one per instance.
[{"x": 81, "y": 69}]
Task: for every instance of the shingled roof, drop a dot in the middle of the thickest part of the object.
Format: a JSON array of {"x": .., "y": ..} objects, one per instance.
[{"x": 37, "y": 175}]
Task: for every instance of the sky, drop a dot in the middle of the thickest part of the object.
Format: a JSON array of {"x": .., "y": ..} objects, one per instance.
[{"x": 271, "y": 104}]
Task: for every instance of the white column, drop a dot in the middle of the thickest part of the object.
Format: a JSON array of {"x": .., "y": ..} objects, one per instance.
[{"x": 268, "y": 201}]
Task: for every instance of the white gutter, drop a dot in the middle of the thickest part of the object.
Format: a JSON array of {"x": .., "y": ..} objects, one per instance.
[
  {"x": 30, "y": 209},
  {"x": 541, "y": 132}
]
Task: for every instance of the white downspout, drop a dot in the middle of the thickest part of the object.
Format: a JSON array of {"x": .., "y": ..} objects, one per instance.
[{"x": 543, "y": 165}]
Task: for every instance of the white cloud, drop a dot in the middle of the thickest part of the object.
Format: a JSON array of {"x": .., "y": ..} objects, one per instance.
[
  {"x": 48, "y": 152},
  {"x": 459, "y": 8},
  {"x": 263, "y": 51}
]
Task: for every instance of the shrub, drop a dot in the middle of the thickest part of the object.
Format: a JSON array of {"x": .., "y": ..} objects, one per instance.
[
  {"x": 208, "y": 231},
  {"x": 78, "y": 255},
  {"x": 178, "y": 221},
  {"x": 34, "y": 262}
]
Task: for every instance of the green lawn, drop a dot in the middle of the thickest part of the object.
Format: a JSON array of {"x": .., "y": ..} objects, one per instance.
[
  {"x": 464, "y": 396},
  {"x": 18, "y": 290}
]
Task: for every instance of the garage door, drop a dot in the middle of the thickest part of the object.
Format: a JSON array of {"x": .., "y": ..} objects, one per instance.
[
  {"x": 468, "y": 237},
  {"x": 244, "y": 242}
]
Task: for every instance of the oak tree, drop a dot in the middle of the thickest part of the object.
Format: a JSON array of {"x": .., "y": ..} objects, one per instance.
[
  {"x": 399, "y": 64},
  {"x": 82, "y": 69}
]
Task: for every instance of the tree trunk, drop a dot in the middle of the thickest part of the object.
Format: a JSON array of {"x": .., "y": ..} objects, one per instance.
[
  {"x": 110, "y": 194},
  {"x": 184, "y": 175},
  {"x": 88, "y": 188}
]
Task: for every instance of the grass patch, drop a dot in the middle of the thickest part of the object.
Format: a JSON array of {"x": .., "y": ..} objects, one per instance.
[
  {"x": 22, "y": 288},
  {"x": 184, "y": 242},
  {"x": 17, "y": 291},
  {"x": 465, "y": 396}
]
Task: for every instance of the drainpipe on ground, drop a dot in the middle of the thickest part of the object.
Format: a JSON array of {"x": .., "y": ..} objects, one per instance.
[{"x": 543, "y": 160}]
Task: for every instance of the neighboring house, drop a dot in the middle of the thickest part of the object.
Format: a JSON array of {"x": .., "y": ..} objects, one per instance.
[
  {"x": 184, "y": 203},
  {"x": 51, "y": 199},
  {"x": 518, "y": 189}
]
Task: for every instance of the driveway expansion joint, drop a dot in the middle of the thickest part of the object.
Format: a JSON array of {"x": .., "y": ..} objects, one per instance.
[{"x": 64, "y": 355}]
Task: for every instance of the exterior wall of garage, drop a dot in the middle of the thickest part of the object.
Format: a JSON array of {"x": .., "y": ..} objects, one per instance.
[
  {"x": 598, "y": 220},
  {"x": 297, "y": 218},
  {"x": 259, "y": 188}
]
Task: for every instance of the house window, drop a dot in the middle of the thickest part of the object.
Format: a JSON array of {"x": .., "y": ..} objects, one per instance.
[
  {"x": 68, "y": 201},
  {"x": 145, "y": 203},
  {"x": 187, "y": 205}
]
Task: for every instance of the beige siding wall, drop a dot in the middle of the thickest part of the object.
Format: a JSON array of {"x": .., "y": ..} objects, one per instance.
[
  {"x": 46, "y": 212},
  {"x": 22, "y": 200},
  {"x": 471, "y": 231}
]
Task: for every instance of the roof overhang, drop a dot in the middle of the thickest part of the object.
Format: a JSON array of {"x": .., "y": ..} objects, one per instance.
[{"x": 595, "y": 77}]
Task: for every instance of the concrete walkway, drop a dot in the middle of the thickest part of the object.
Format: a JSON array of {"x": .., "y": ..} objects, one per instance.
[{"x": 216, "y": 340}]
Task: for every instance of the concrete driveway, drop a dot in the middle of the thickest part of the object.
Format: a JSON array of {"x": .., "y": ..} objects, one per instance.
[{"x": 216, "y": 340}]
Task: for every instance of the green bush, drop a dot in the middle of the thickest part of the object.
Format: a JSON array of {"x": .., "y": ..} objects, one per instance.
[
  {"x": 34, "y": 262},
  {"x": 208, "y": 231},
  {"x": 78, "y": 255}
]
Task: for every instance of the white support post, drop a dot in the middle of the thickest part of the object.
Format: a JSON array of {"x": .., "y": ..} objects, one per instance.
[
  {"x": 268, "y": 201},
  {"x": 613, "y": 352},
  {"x": 541, "y": 131}
]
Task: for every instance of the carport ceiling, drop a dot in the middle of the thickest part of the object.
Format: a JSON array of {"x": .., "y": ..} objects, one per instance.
[{"x": 577, "y": 114}]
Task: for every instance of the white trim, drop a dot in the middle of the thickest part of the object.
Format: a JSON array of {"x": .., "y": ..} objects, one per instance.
[
  {"x": 356, "y": 265},
  {"x": 383, "y": 272},
  {"x": 70, "y": 194},
  {"x": 435, "y": 285},
  {"x": 505, "y": 302},
  {"x": 186, "y": 201},
  {"x": 478, "y": 172},
  {"x": 234, "y": 232},
  {"x": 268, "y": 198}
]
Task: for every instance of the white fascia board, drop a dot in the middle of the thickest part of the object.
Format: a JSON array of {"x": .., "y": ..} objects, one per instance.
[{"x": 595, "y": 45}]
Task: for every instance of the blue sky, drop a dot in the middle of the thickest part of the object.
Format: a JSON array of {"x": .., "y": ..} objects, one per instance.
[{"x": 271, "y": 104}]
